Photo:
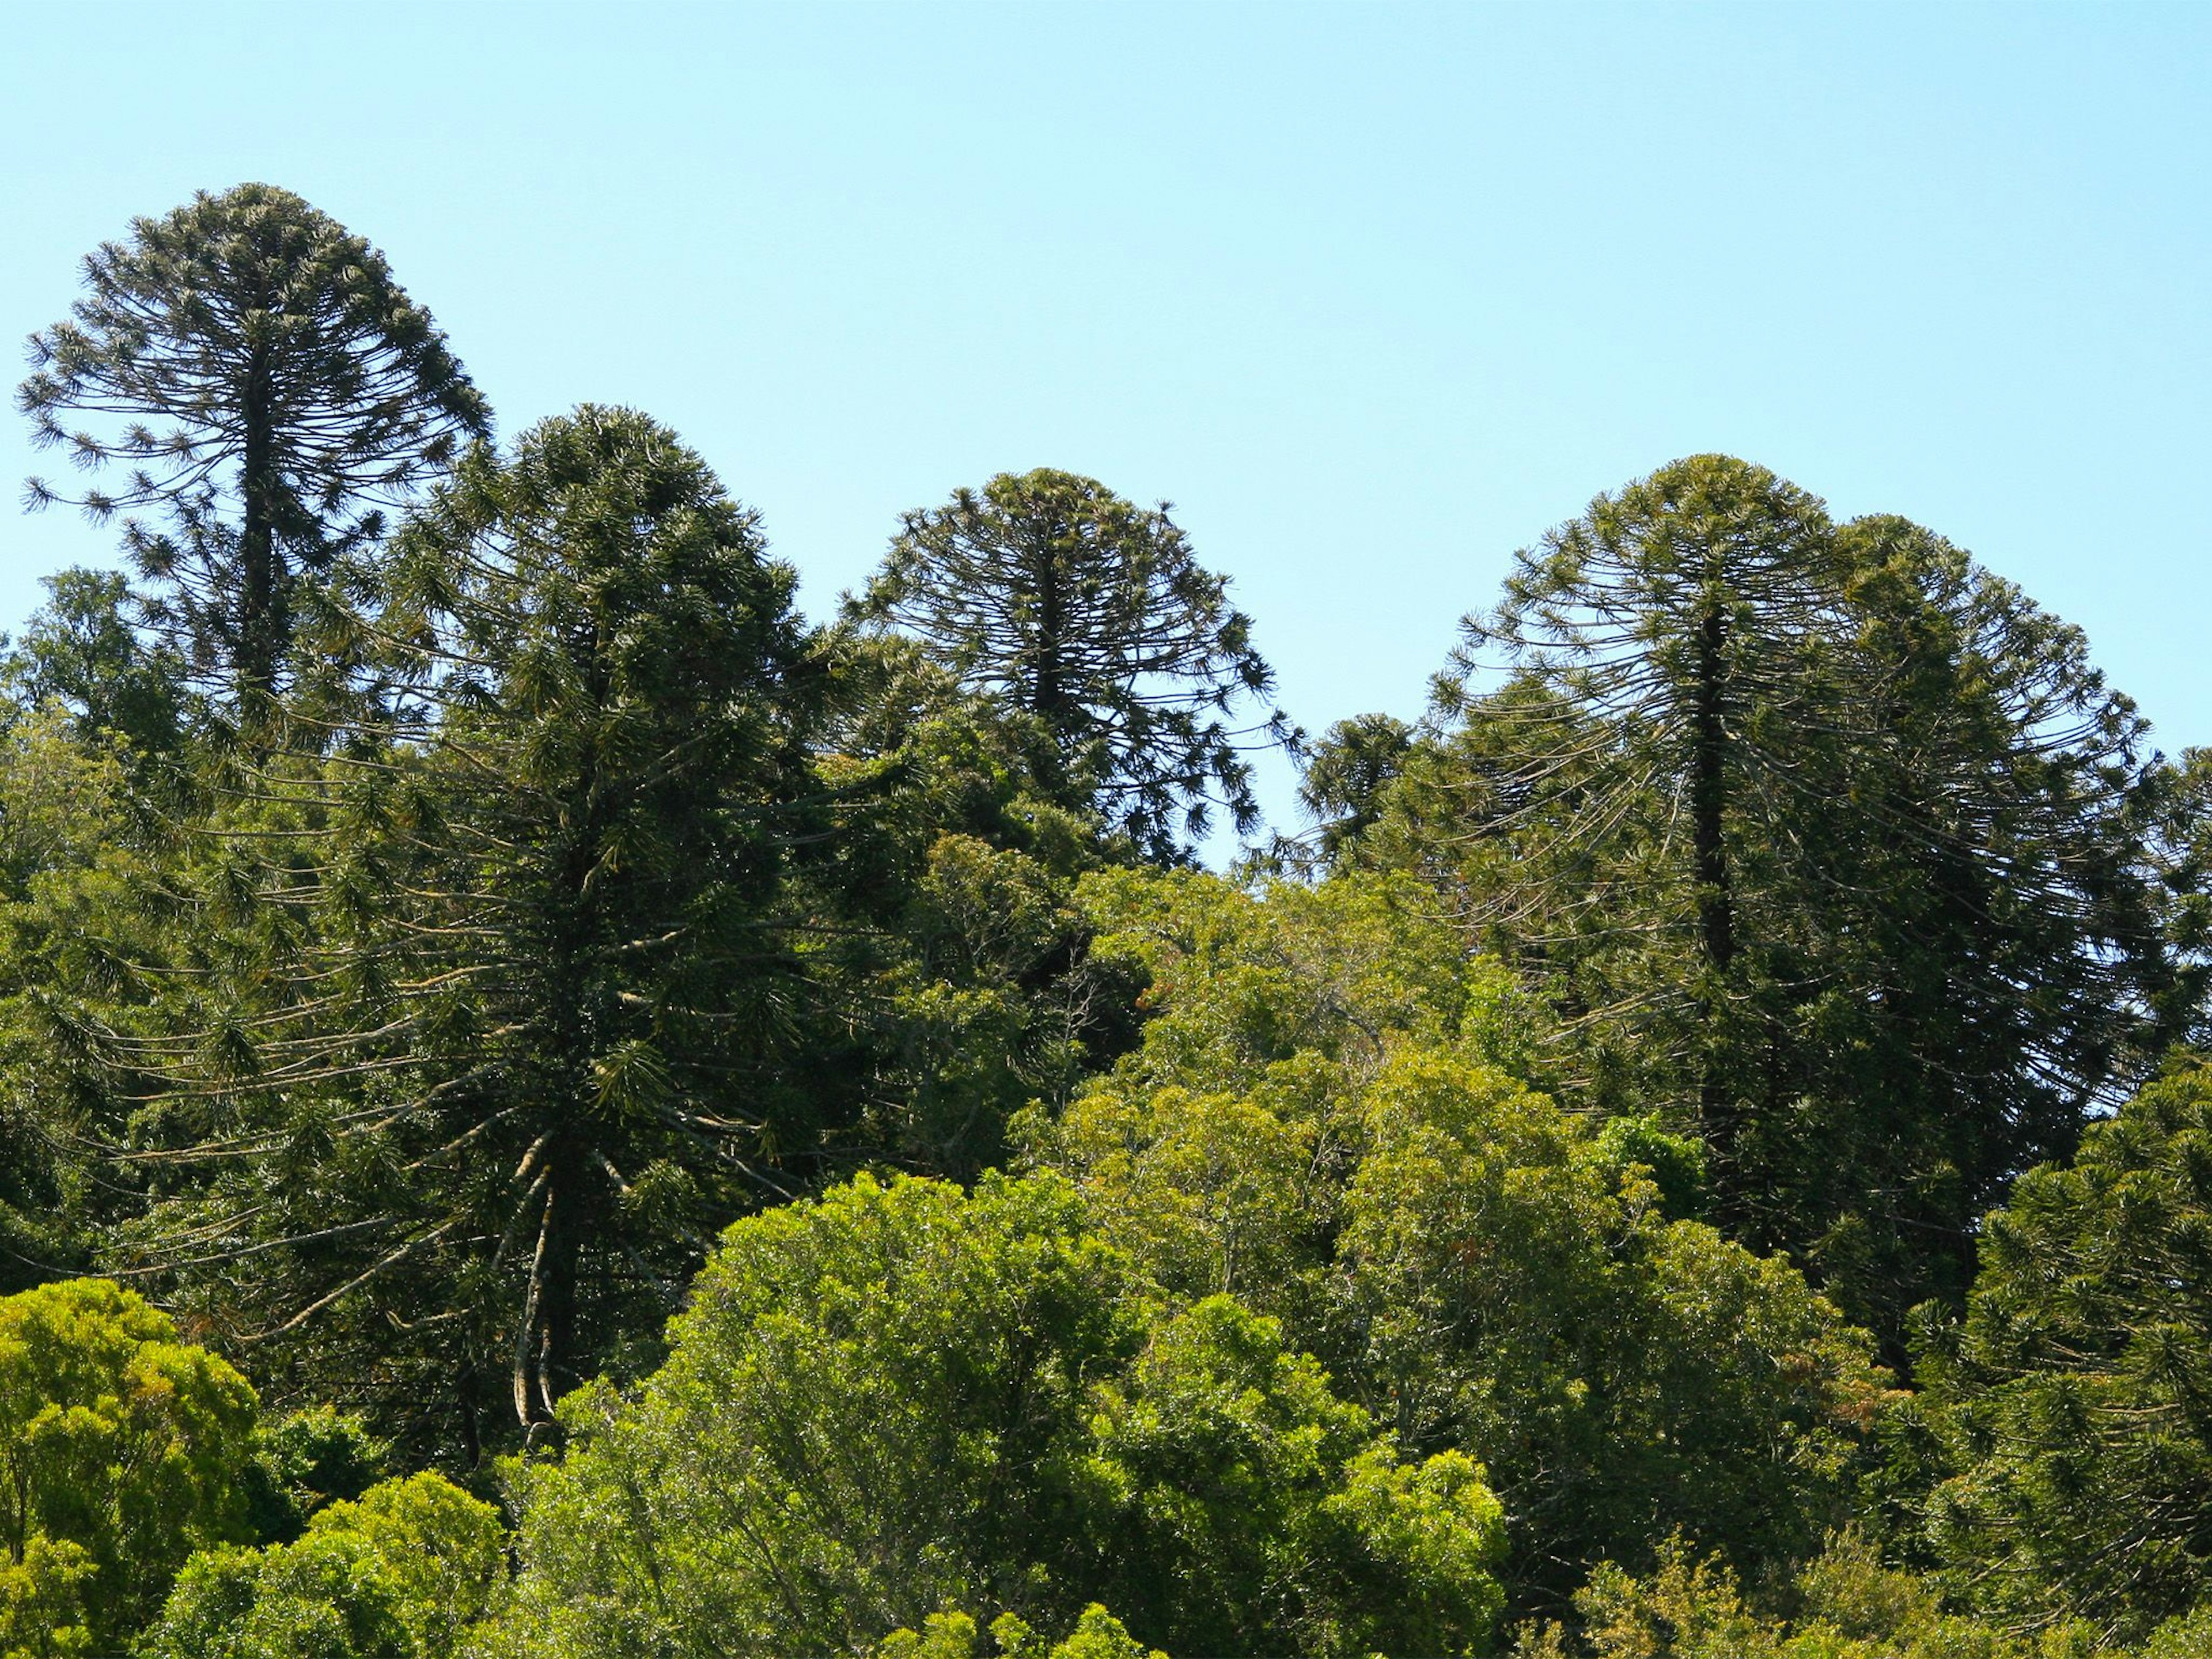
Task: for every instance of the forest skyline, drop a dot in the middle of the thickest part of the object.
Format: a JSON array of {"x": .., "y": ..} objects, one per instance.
[{"x": 1391, "y": 289}]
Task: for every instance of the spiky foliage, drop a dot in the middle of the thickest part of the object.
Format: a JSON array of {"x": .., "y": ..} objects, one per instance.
[
  {"x": 1819, "y": 834},
  {"x": 464, "y": 1053},
  {"x": 2074, "y": 1396},
  {"x": 257, "y": 391},
  {"x": 1088, "y": 616}
]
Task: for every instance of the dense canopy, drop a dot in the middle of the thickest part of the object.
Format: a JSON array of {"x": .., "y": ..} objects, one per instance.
[{"x": 550, "y": 1105}]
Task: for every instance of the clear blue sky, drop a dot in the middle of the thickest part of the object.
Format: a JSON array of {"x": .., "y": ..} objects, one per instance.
[{"x": 1373, "y": 293}]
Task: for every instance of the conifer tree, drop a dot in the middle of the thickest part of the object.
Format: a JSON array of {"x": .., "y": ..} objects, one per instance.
[
  {"x": 1089, "y": 617},
  {"x": 472, "y": 1009},
  {"x": 266, "y": 391},
  {"x": 1820, "y": 834}
]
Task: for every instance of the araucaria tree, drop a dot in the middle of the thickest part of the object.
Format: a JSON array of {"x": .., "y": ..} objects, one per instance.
[
  {"x": 1820, "y": 833},
  {"x": 265, "y": 391},
  {"x": 1087, "y": 616},
  {"x": 480, "y": 1060}
]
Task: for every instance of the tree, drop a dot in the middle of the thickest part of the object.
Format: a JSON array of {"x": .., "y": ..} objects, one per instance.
[
  {"x": 949, "y": 983},
  {"x": 2074, "y": 1395},
  {"x": 80, "y": 652},
  {"x": 1844, "y": 1604},
  {"x": 1668, "y": 652},
  {"x": 1097, "y": 1635},
  {"x": 900, "y": 1399},
  {"x": 404, "y": 1573},
  {"x": 1817, "y": 836},
  {"x": 1347, "y": 776},
  {"x": 122, "y": 1450},
  {"x": 1089, "y": 617},
  {"x": 472, "y": 1031},
  {"x": 268, "y": 390},
  {"x": 1324, "y": 1120}
]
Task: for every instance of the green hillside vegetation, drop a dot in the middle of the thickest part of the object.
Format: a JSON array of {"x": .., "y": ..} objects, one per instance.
[{"x": 555, "y": 1106}]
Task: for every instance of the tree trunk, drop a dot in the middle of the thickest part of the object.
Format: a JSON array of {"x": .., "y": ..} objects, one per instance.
[
  {"x": 1708, "y": 812},
  {"x": 259, "y": 622},
  {"x": 1048, "y": 679}
]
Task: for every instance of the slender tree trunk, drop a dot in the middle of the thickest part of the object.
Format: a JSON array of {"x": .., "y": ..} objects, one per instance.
[
  {"x": 546, "y": 1359},
  {"x": 556, "y": 1314},
  {"x": 1047, "y": 681},
  {"x": 1708, "y": 812},
  {"x": 258, "y": 600}
]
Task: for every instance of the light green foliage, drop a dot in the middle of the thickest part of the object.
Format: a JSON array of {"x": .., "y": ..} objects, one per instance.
[
  {"x": 1616, "y": 1370},
  {"x": 900, "y": 1399},
  {"x": 1252, "y": 1506},
  {"x": 1845, "y": 1605},
  {"x": 1219, "y": 1148},
  {"x": 121, "y": 1451},
  {"x": 402, "y": 1574},
  {"x": 417, "y": 939},
  {"x": 1315, "y": 1124},
  {"x": 1250, "y": 989},
  {"x": 1097, "y": 1635},
  {"x": 2075, "y": 1402},
  {"x": 874, "y": 1406},
  {"x": 61, "y": 800},
  {"x": 42, "y": 1592},
  {"x": 2185, "y": 1636}
]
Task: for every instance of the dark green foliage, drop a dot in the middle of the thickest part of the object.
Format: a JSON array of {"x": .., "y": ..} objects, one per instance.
[
  {"x": 480, "y": 1044},
  {"x": 950, "y": 976},
  {"x": 2076, "y": 1400},
  {"x": 1347, "y": 777},
  {"x": 305, "y": 1462},
  {"x": 1817, "y": 837},
  {"x": 266, "y": 390},
  {"x": 81, "y": 651},
  {"x": 2179, "y": 805},
  {"x": 1087, "y": 617},
  {"x": 419, "y": 939},
  {"x": 1673, "y": 1163}
]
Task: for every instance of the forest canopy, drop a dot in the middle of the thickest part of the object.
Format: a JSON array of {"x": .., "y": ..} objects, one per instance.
[{"x": 556, "y": 1106}]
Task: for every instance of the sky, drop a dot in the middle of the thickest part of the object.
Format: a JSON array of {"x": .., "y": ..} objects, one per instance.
[{"x": 1374, "y": 293}]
